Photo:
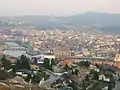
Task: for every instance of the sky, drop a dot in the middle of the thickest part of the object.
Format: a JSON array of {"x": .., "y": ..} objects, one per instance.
[{"x": 57, "y": 7}]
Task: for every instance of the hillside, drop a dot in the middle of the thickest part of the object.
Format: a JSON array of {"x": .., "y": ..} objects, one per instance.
[{"x": 101, "y": 21}]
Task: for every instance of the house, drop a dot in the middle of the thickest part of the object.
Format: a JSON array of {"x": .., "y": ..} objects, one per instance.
[{"x": 66, "y": 62}]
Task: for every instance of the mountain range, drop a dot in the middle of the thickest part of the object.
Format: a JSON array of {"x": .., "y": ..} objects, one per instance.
[{"x": 105, "y": 22}]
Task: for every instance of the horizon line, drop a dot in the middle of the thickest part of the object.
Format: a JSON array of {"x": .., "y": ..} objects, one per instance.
[{"x": 34, "y": 14}]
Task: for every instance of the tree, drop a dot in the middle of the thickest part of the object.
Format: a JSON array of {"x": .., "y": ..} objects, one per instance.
[
  {"x": 87, "y": 64},
  {"x": 24, "y": 62},
  {"x": 3, "y": 75},
  {"x": 35, "y": 61},
  {"x": 46, "y": 63},
  {"x": 28, "y": 77},
  {"x": 74, "y": 86},
  {"x": 66, "y": 67},
  {"x": 53, "y": 61},
  {"x": 6, "y": 63},
  {"x": 17, "y": 66},
  {"x": 97, "y": 65},
  {"x": 84, "y": 86},
  {"x": 110, "y": 87},
  {"x": 95, "y": 74},
  {"x": 76, "y": 71},
  {"x": 37, "y": 78},
  {"x": 112, "y": 82},
  {"x": 87, "y": 78},
  {"x": 73, "y": 71}
]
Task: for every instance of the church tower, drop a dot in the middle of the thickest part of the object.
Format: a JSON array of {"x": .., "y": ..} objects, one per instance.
[{"x": 117, "y": 59}]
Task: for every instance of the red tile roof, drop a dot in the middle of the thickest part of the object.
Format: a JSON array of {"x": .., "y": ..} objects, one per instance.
[
  {"x": 11, "y": 60},
  {"x": 66, "y": 62}
]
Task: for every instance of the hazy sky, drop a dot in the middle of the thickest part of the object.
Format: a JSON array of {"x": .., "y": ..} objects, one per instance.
[{"x": 57, "y": 7}]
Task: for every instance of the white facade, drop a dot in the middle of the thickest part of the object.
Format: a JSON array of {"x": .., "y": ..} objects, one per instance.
[{"x": 49, "y": 56}]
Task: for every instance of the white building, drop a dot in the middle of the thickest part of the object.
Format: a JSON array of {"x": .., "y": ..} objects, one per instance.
[{"x": 49, "y": 56}]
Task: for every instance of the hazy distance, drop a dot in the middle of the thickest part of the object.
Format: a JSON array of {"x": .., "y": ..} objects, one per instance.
[{"x": 57, "y": 7}]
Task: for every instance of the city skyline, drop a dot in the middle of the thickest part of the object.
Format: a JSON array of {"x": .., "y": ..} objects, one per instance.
[{"x": 57, "y": 7}]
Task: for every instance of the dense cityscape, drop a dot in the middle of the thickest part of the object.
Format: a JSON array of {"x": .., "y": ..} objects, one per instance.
[
  {"x": 59, "y": 59},
  {"x": 59, "y": 45}
]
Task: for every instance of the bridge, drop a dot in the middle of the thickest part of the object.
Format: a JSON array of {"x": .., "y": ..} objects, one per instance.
[
  {"x": 92, "y": 58},
  {"x": 100, "y": 60}
]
